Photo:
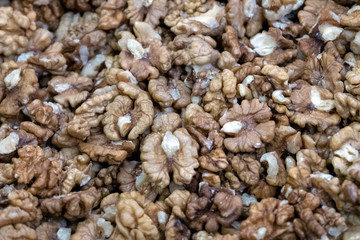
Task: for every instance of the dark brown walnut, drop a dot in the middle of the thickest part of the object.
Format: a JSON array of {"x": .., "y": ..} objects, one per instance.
[
  {"x": 104, "y": 180},
  {"x": 171, "y": 152},
  {"x": 148, "y": 11},
  {"x": 168, "y": 93},
  {"x": 47, "y": 230},
  {"x": 263, "y": 190},
  {"x": 271, "y": 218},
  {"x": 212, "y": 208},
  {"x": 203, "y": 127},
  {"x": 127, "y": 176},
  {"x": 308, "y": 162},
  {"x": 247, "y": 168},
  {"x": 71, "y": 90},
  {"x": 18, "y": 86},
  {"x": 22, "y": 208},
  {"x": 18, "y": 231},
  {"x": 176, "y": 229},
  {"x": 324, "y": 71},
  {"x": 312, "y": 106},
  {"x": 194, "y": 50},
  {"x": 80, "y": 5},
  {"x": 100, "y": 149},
  {"x": 324, "y": 223},
  {"x": 43, "y": 166},
  {"x": 72, "y": 206},
  {"x": 248, "y": 126}
]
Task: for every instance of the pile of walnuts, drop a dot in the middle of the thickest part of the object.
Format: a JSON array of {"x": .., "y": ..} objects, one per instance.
[{"x": 179, "y": 119}]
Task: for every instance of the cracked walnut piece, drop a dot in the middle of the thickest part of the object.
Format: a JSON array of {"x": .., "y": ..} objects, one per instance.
[{"x": 249, "y": 126}]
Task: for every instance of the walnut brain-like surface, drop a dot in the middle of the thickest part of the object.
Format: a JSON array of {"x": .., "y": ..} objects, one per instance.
[{"x": 179, "y": 119}]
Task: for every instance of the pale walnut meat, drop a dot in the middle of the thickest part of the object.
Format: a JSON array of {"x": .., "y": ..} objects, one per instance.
[
  {"x": 352, "y": 80},
  {"x": 247, "y": 168},
  {"x": 315, "y": 9},
  {"x": 277, "y": 9},
  {"x": 94, "y": 227},
  {"x": 71, "y": 90},
  {"x": 45, "y": 166},
  {"x": 44, "y": 113},
  {"x": 170, "y": 152},
  {"x": 77, "y": 172},
  {"x": 276, "y": 173},
  {"x": 17, "y": 231},
  {"x": 22, "y": 208},
  {"x": 51, "y": 60},
  {"x": 325, "y": 223},
  {"x": 72, "y": 206},
  {"x": 211, "y": 22},
  {"x": 169, "y": 93},
  {"x": 345, "y": 147},
  {"x": 312, "y": 106},
  {"x": 269, "y": 219},
  {"x": 47, "y": 230},
  {"x": 212, "y": 208},
  {"x": 308, "y": 162},
  {"x": 15, "y": 30},
  {"x": 347, "y": 106},
  {"x": 6, "y": 174},
  {"x": 203, "y": 127},
  {"x": 100, "y": 149},
  {"x": 215, "y": 161},
  {"x": 149, "y": 11},
  {"x": 131, "y": 220},
  {"x": 324, "y": 71},
  {"x": 248, "y": 126},
  {"x": 19, "y": 86},
  {"x": 127, "y": 176},
  {"x": 111, "y": 14},
  {"x": 194, "y": 50}
]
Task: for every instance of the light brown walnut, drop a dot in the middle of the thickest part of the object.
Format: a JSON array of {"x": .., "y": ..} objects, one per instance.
[
  {"x": 17, "y": 231},
  {"x": 247, "y": 168}
]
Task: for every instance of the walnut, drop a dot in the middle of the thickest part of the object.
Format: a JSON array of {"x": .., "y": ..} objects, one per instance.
[
  {"x": 163, "y": 153},
  {"x": 22, "y": 208},
  {"x": 212, "y": 207},
  {"x": 15, "y": 30},
  {"x": 269, "y": 218},
  {"x": 51, "y": 60},
  {"x": 21, "y": 86},
  {"x": 308, "y": 162},
  {"x": 71, "y": 90},
  {"x": 131, "y": 220},
  {"x": 235, "y": 16},
  {"x": 79, "y": 5},
  {"x": 42, "y": 134},
  {"x": 211, "y": 22},
  {"x": 176, "y": 229},
  {"x": 344, "y": 145},
  {"x": 203, "y": 127},
  {"x": 230, "y": 42},
  {"x": 77, "y": 173},
  {"x": 215, "y": 161},
  {"x": 249, "y": 124},
  {"x": 47, "y": 230},
  {"x": 105, "y": 179},
  {"x": 108, "y": 207},
  {"x": 312, "y": 106},
  {"x": 100, "y": 149},
  {"x": 324, "y": 71},
  {"x": 127, "y": 176},
  {"x": 72, "y": 206},
  {"x": 44, "y": 113},
  {"x": 352, "y": 80},
  {"x": 276, "y": 173},
  {"x": 6, "y": 174},
  {"x": 325, "y": 222},
  {"x": 123, "y": 118},
  {"x": 274, "y": 10},
  {"x": 278, "y": 75},
  {"x": 347, "y": 106},
  {"x": 149, "y": 11},
  {"x": 94, "y": 227},
  {"x": 170, "y": 92},
  {"x": 194, "y": 50},
  {"x": 300, "y": 198},
  {"x": 247, "y": 168},
  {"x": 44, "y": 166},
  {"x": 110, "y": 14},
  {"x": 262, "y": 190},
  {"x": 18, "y": 231}
]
